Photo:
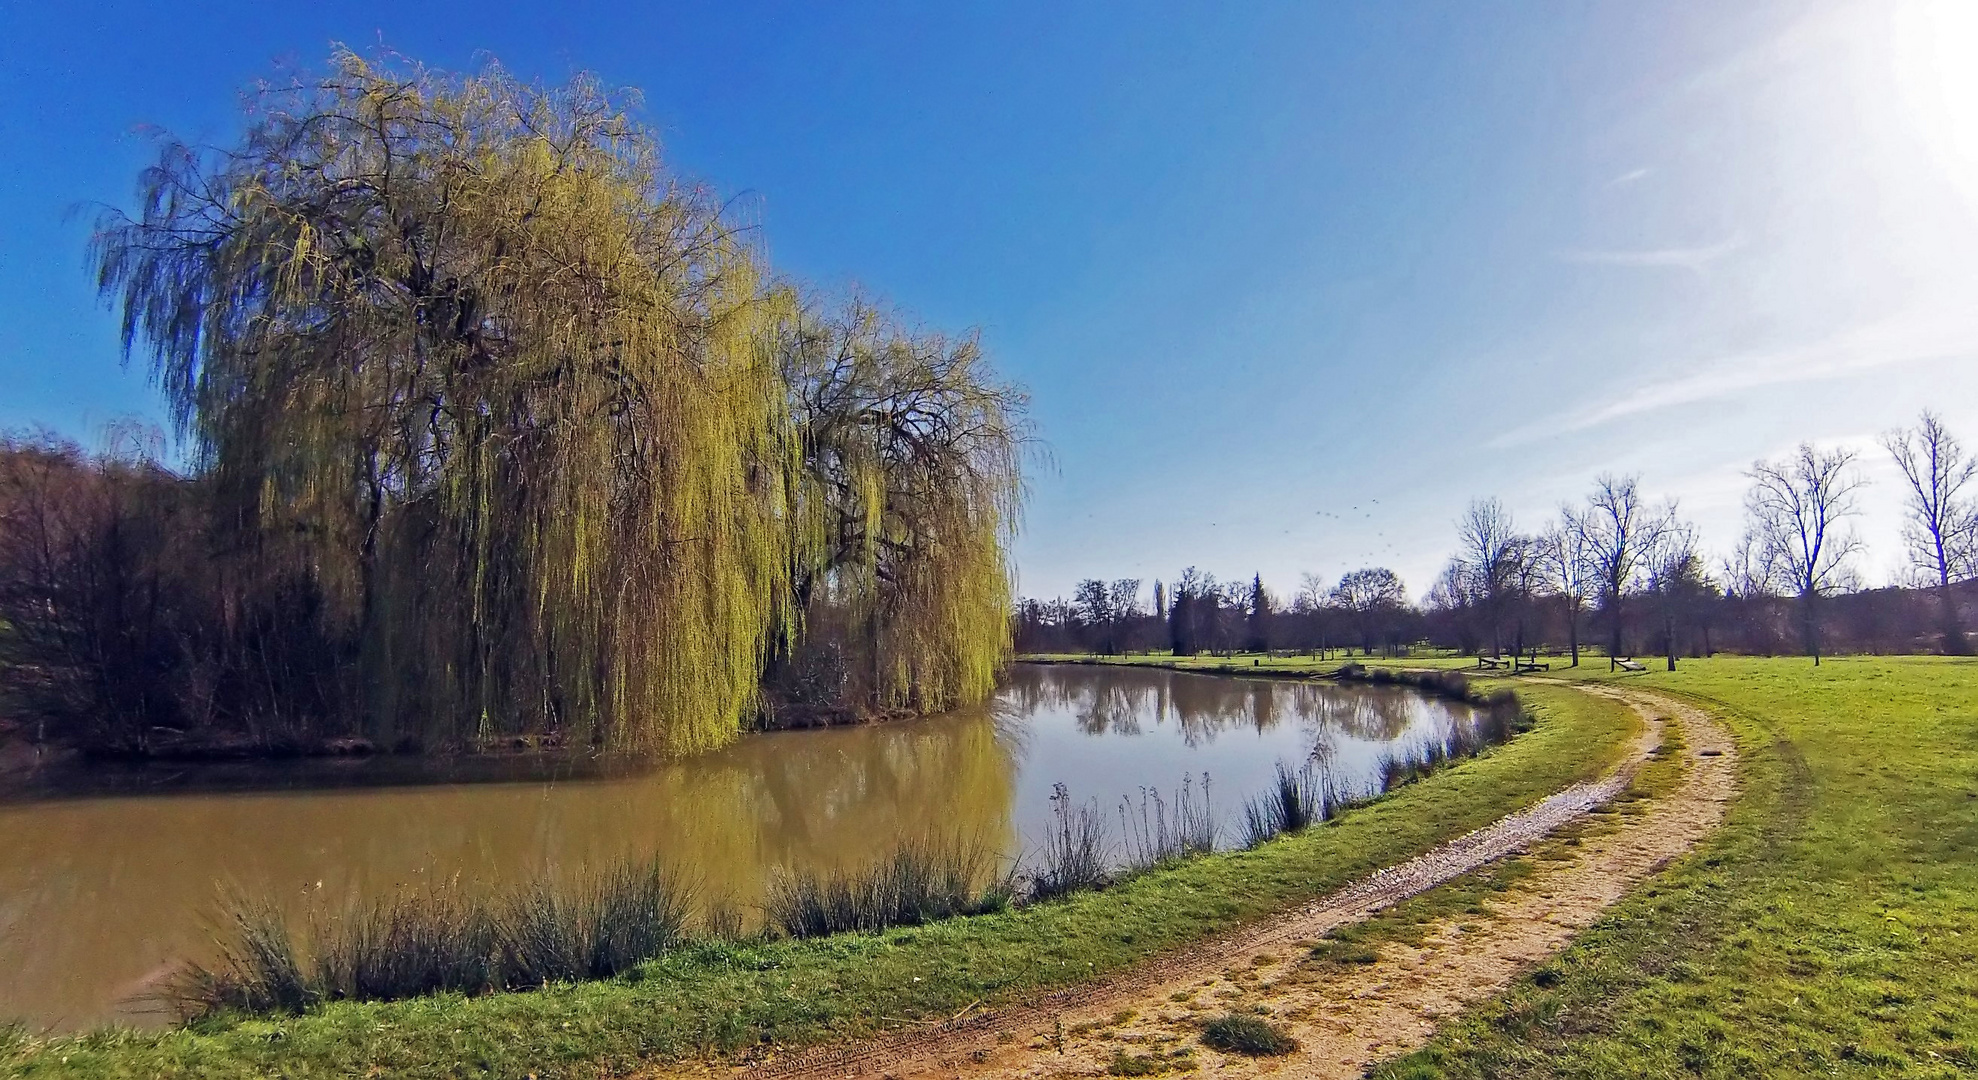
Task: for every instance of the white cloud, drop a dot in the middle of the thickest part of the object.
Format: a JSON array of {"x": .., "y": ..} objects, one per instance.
[
  {"x": 1628, "y": 177},
  {"x": 1899, "y": 341},
  {"x": 1693, "y": 259}
]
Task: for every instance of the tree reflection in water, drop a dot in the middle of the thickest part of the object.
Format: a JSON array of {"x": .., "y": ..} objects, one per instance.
[
  {"x": 1118, "y": 700},
  {"x": 102, "y": 890}
]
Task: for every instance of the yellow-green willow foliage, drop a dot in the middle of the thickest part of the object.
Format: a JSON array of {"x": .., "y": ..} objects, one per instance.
[
  {"x": 534, "y": 434},
  {"x": 456, "y": 351},
  {"x": 912, "y": 455}
]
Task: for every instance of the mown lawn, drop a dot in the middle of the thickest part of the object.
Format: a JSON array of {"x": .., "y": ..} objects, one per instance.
[
  {"x": 1829, "y": 929},
  {"x": 727, "y": 1000}
]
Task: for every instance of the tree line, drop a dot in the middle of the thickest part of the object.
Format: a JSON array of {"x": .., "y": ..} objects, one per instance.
[
  {"x": 498, "y": 429},
  {"x": 1612, "y": 569}
]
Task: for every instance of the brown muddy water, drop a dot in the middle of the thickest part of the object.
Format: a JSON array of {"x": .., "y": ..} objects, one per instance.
[{"x": 109, "y": 879}]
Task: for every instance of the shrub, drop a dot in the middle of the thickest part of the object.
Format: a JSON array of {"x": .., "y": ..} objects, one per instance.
[{"x": 1238, "y": 1034}]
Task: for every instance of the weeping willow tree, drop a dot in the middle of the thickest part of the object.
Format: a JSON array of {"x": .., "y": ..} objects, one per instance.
[
  {"x": 536, "y": 430},
  {"x": 911, "y": 487}
]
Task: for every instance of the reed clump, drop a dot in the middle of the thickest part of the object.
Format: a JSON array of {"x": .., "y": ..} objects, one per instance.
[
  {"x": 919, "y": 882},
  {"x": 1299, "y": 798},
  {"x": 439, "y": 941},
  {"x": 1074, "y": 855},
  {"x": 1160, "y": 830}
]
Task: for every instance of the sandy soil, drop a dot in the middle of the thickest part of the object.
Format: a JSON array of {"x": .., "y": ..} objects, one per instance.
[{"x": 1343, "y": 1020}]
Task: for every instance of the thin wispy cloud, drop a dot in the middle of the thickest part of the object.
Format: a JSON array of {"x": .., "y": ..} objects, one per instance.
[
  {"x": 1884, "y": 344},
  {"x": 1693, "y": 259},
  {"x": 1628, "y": 177}
]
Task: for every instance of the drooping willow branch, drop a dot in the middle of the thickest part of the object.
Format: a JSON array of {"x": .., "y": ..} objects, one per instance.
[{"x": 550, "y": 441}]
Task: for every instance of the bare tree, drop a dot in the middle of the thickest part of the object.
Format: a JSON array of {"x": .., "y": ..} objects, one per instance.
[
  {"x": 1747, "y": 570},
  {"x": 1312, "y": 592},
  {"x": 1455, "y": 594},
  {"x": 1617, "y": 533},
  {"x": 1676, "y": 579},
  {"x": 1524, "y": 578},
  {"x": 1562, "y": 559},
  {"x": 1942, "y": 528},
  {"x": 1794, "y": 508},
  {"x": 1487, "y": 543},
  {"x": 1093, "y": 604},
  {"x": 1371, "y": 597}
]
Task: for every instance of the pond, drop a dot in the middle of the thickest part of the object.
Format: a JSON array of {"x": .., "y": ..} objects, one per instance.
[{"x": 108, "y": 880}]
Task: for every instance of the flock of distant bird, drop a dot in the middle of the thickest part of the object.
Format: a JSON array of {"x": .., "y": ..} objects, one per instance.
[{"x": 1386, "y": 547}]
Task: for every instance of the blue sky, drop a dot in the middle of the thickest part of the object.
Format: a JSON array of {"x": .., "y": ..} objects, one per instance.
[{"x": 1288, "y": 283}]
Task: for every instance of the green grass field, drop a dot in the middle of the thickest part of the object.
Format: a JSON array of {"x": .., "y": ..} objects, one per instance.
[
  {"x": 1829, "y": 929},
  {"x": 732, "y": 1000}
]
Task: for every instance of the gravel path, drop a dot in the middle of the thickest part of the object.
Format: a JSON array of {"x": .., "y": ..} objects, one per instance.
[{"x": 1343, "y": 1021}]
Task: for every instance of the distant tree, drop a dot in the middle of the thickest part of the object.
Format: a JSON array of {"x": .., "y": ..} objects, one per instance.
[
  {"x": 1454, "y": 596},
  {"x": 1617, "y": 532},
  {"x": 1677, "y": 581},
  {"x": 1312, "y": 613},
  {"x": 1561, "y": 555},
  {"x": 1094, "y": 605},
  {"x": 1488, "y": 551},
  {"x": 1257, "y": 628},
  {"x": 1524, "y": 579},
  {"x": 1192, "y": 594},
  {"x": 1123, "y": 597},
  {"x": 1793, "y": 511},
  {"x": 1745, "y": 571},
  {"x": 1370, "y": 597},
  {"x": 1942, "y": 525}
]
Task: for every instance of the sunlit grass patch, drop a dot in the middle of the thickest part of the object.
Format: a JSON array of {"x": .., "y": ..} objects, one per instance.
[{"x": 1830, "y": 927}]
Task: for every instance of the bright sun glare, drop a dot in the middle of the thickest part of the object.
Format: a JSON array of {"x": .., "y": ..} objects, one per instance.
[{"x": 1936, "y": 61}]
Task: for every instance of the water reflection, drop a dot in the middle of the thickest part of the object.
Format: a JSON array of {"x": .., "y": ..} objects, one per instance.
[
  {"x": 1119, "y": 701},
  {"x": 100, "y": 894}
]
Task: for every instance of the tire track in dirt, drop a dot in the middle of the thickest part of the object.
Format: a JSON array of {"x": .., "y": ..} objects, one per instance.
[{"x": 1343, "y": 1021}]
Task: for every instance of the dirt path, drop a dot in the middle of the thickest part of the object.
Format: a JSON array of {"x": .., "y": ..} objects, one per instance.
[{"x": 1343, "y": 1021}]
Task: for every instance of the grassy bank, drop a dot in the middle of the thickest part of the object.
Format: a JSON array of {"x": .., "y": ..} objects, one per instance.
[
  {"x": 739, "y": 999},
  {"x": 1830, "y": 928}
]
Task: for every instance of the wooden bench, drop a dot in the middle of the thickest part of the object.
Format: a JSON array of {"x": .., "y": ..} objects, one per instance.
[
  {"x": 1489, "y": 662},
  {"x": 1533, "y": 664}
]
